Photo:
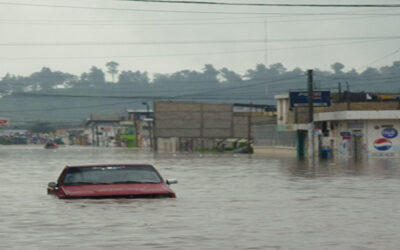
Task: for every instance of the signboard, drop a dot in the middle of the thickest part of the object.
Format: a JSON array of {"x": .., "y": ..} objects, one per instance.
[
  {"x": 300, "y": 98},
  {"x": 345, "y": 133},
  {"x": 389, "y": 133},
  {"x": 382, "y": 144},
  {"x": 3, "y": 121},
  {"x": 317, "y": 131}
]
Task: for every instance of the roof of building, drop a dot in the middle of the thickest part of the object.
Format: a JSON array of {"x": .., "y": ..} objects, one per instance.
[
  {"x": 105, "y": 118},
  {"x": 358, "y": 115}
]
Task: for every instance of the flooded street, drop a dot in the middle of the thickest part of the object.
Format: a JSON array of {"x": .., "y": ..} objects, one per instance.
[{"x": 224, "y": 201}]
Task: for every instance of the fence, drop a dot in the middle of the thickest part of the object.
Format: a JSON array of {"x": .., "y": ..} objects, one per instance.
[{"x": 268, "y": 135}]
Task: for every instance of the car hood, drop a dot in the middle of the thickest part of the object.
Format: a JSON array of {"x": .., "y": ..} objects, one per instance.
[{"x": 108, "y": 190}]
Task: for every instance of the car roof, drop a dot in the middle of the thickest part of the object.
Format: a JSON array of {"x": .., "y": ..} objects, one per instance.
[{"x": 108, "y": 164}]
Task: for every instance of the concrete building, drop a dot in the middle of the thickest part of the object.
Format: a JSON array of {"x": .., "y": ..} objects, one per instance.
[
  {"x": 142, "y": 122},
  {"x": 356, "y": 128},
  {"x": 187, "y": 126},
  {"x": 103, "y": 130}
]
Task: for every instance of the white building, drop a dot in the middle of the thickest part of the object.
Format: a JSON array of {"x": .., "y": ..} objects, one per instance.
[
  {"x": 102, "y": 130},
  {"x": 366, "y": 128}
]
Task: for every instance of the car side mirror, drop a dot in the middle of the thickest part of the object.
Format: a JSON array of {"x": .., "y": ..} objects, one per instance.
[
  {"x": 52, "y": 184},
  {"x": 171, "y": 181}
]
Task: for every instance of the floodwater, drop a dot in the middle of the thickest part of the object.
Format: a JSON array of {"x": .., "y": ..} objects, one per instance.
[{"x": 224, "y": 201}]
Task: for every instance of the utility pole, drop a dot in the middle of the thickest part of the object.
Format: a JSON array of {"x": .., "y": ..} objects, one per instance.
[
  {"x": 97, "y": 135},
  {"x": 149, "y": 125},
  {"x": 340, "y": 90},
  {"x": 266, "y": 42},
  {"x": 249, "y": 129},
  {"x": 135, "y": 121},
  {"x": 310, "y": 96},
  {"x": 348, "y": 95},
  {"x": 311, "y": 143}
]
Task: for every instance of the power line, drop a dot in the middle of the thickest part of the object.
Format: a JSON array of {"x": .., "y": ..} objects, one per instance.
[
  {"x": 275, "y": 81},
  {"x": 19, "y": 44},
  {"x": 86, "y": 96},
  {"x": 50, "y": 120},
  {"x": 274, "y": 4},
  {"x": 269, "y": 82},
  {"x": 334, "y": 85},
  {"x": 380, "y": 58},
  {"x": 171, "y": 22},
  {"x": 183, "y": 54},
  {"x": 397, "y": 76},
  {"x": 171, "y": 11},
  {"x": 65, "y": 108}
]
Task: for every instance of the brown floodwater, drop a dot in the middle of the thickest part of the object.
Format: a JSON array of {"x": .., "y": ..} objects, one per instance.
[{"x": 224, "y": 201}]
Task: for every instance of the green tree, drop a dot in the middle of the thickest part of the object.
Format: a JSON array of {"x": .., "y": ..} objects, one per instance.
[
  {"x": 112, "y": 69},
  {"x": 230, "y": 76},
  {"x": 42, "y": 80},
  {"x": 130, "y": 78},
  {"x": 337, "y": 68},
  {"x": 94, "y": 78}
]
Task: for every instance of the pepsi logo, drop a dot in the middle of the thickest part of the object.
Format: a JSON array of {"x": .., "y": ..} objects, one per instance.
[
  {"x": 382, "y": 144},
  {"x": 389, "y": 133}
]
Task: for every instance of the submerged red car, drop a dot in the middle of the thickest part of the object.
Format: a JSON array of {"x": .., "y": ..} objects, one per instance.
[{"x": 111, "y": 181}]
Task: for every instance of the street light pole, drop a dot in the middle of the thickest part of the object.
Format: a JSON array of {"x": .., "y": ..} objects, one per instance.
[
  {"x": 149, "y": 128},
  {"x": 311, "y": 138}
]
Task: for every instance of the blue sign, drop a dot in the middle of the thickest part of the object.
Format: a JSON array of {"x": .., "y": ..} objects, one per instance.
[
  {"x": 389, "y": 133},
  {"x": 300, "y": 98},
  {"x": 383, "y": 144},
  {"x": 345, "y": 134}
]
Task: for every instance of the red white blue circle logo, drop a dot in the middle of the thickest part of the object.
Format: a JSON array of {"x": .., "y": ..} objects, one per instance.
[
  {"x": 383, "y": 144},
  {"x": 389, "y": 133}
]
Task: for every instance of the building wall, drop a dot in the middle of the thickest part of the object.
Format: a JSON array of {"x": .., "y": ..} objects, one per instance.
[
  {"x": 366, "y": 138},
  {"x": 370, "y": 133},
  {"x": 202, "y": 120},
  {"x": 200, "y": 125},
  {"x": 275, "y": 151},
  {"x": 189, "y": 119},
  {"x": 106, "y": 132},
  {"x": 371, "y": 105},
  {"x": 376, "y": 132},
  {"x": 299, "y": 115}
]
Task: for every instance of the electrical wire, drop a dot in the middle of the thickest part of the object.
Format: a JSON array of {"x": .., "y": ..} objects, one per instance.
[
  {"x": 65, "y": 108},
  {"x": 19, "y": 44},
  {"x": 173, "y": 11},
  {"x": 273, "y": 4},
  {"x": 186, "y": 22},
  {"x": 380, "y": 58},
  {"x": 184, "y": 54},
  {"x": 154, "y": 97}
]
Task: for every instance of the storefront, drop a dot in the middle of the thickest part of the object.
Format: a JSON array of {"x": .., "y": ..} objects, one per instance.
[{"x": 360, "y": 134}]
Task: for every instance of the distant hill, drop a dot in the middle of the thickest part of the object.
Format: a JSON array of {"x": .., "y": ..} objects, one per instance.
[{"x": 67, "y": 100}]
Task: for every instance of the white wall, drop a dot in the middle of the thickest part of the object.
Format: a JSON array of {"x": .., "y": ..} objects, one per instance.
[
  {"x": 375, "y": 130},
  {"x": 282, "y": 108},
  {"x": 167, "y": 145},
  {"x": 371, "y": 131}
]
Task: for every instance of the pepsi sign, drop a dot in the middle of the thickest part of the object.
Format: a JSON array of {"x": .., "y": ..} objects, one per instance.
[
  {"x": 382, "y": 144},
  {"x": 389, "y": 133}
]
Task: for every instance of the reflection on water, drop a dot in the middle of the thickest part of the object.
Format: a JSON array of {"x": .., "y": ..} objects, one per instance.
[
  {"x": 373, "y": 167},
  {"x": 224, "y": 201}
]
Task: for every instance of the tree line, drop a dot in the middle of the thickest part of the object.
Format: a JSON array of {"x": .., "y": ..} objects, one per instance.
[
  {"x": 208, "y": 77},
  {"x": 64, "y": 98}
]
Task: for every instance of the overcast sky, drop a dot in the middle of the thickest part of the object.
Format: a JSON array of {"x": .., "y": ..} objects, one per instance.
[{"x": 71, "y": 36}]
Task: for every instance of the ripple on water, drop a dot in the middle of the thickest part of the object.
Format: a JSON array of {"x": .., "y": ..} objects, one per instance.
[{"x": 224, "y": 202}]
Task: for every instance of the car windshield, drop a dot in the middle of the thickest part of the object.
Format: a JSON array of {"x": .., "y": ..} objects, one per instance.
[{"x": 111, "y": 175}]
